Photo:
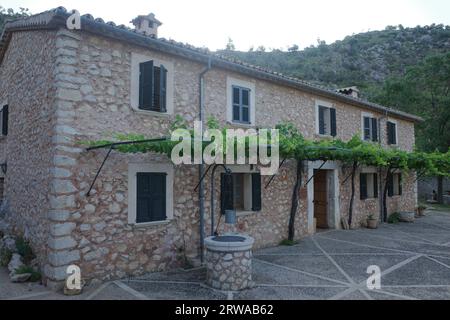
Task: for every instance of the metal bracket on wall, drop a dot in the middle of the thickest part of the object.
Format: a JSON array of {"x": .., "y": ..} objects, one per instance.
[
  {"x": 312, "y": 177},
  {"x": 98, "y": 171},
  {"x": 273, "y": 177}
]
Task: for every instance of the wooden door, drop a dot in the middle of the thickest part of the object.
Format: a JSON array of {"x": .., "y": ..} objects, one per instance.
[{"x": 320, "y": 198}]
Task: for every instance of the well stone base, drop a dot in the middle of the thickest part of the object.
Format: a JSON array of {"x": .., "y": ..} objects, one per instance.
[{"x": 229, "y": 267}]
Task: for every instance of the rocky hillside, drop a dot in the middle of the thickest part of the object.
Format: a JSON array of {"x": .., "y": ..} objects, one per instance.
[{"x": 365, "y": 59}]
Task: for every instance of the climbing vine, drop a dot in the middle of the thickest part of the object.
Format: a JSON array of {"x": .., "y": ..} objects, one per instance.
[{"x": 292, "y": 145}]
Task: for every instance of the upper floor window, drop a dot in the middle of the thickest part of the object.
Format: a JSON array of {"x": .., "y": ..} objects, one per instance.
[
  {"x": 370, "y": 128},
  {"x": 326, "y": 118},
  {"x": 152, "y": 87},
  {"x": 4, "y": 115},
  {"x": 368, "y": 186},
  {"x": 241, "y": 104},
  {"x": 391, "y": 132},
  {"x": 395, "y": 184}
]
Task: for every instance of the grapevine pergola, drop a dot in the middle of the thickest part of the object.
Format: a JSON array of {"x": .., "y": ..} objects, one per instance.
[{"x": 292, "y": 145}]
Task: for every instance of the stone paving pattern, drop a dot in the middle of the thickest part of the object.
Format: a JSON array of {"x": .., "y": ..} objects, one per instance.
[{"x": 414, "y": 259}]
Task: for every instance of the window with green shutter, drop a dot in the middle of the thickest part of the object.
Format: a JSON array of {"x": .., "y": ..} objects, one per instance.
[
  {"x": 368, "y": 186},
  {"x": 151, "y": 197},
  {"x": 241, "y": 192},
  {"x": 241, "y": 104},
  {"x": 152, "y": 87},
  {"x": 395, "y": 184},
  {"x": 370, "y": 129},
  {"x": 391, "y": 133},
  {"x": 327, "y": 121}
]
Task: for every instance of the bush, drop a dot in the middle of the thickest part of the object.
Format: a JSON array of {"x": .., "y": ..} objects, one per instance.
[
  {"x": 24, "y": 249},
  {"x": 5, "y": 257},
  {"x": 394, "y": 218},
  {"x": 35, "y": 275},
  {"x": 287, "y": 242}
]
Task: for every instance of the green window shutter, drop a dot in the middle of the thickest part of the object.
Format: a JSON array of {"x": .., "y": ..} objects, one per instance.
[
  {"x": 375, "y": 185},
  {"x": 4, "y": 119},
  {"x": 392, "y": 139},
  {"x": 226, "y": 192},
  {"x": 394, "y": 135},
  {"x": 367, "y": 128},
  {"x": 322, "y": 120},
  {"x": 390, "y": 185},
  {"x": 256, "y": 192},
  {"x": 151, "y": 197},
  {"x": 400, "y": 191},
  {"x": 163, "y": 89},
  {"x": 333, "y": 122},
  {"x": 245, "y": 105},
  {"x": 389, "y": 133},
  {"x": 236, "y": 104},
  {"x": 146, "y": 85},
  {"x": 363, "y": 186},
  {"x": 374, "y": 129}
]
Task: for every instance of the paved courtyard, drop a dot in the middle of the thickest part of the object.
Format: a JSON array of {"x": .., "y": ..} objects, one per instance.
[{"x": 414, "y": 259}]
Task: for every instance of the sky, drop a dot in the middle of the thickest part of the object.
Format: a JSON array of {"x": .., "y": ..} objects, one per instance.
[{"x": 251, "y": 23}]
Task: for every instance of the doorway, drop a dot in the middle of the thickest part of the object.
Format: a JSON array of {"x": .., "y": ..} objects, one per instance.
[{"x": 321, "y": 199}]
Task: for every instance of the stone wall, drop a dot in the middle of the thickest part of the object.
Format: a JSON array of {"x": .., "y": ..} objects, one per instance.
[
  {"x": 91, "y": 100},
  {"x": 27, "y": 85}
]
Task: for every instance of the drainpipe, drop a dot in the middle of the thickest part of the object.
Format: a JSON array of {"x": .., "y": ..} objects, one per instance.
[
  {"x": 201, "y": 167},
  {"x": 380, "y": 171}
]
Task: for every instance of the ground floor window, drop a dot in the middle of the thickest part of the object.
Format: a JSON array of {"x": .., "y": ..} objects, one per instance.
[
  {"x": 368, "y": 186},
  {"x": 395, "y": 184},
  {"x": 150, "y": 193},
  {"x": 241, "y": 192},
  {"x": 150, "y": 197}
]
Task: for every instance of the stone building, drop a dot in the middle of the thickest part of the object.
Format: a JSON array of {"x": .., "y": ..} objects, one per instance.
[{"x": 59, "y": 87}]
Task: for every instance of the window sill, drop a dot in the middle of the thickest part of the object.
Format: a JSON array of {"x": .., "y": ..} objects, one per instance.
[
  {"x": 369, "y": 199},
  {"x": 152, "y": 113},
  {"x": 150, "y": 224},
  {"x": 318, "y": 135},
  {"x": 242, "y": 125},
  {"x": 245, "y": 213}
]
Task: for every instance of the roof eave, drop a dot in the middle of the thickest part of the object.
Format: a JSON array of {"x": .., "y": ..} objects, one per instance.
[{"x": 56, "y": 19}]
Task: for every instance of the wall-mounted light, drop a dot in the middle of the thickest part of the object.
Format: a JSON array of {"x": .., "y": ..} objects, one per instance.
[{"x": 3, "y": 166}]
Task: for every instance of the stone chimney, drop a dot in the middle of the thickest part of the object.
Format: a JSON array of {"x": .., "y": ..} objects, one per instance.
[
  {"x": 350, "y": 91},
  {"x": 147, "y": 25}
]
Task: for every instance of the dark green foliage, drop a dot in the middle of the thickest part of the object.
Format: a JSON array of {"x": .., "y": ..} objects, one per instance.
[
  {"x": 365, "y": 59},
  {"x": 9, "y": 14},
  {"x": 5, "y": 257},
  {"x": 424, "y": 90},
  {"x": 35, "y": 275},
  {"x": 288, "y": 243},
  {"x": 24, "y": 249},
  {"x": 394, "y": 218}
]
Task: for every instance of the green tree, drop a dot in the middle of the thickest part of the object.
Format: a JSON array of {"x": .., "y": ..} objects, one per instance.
[
  {"x": 6, "y": 14},
  {"x": 230, "y": 45},
  {"x": 425, "y": 90}
]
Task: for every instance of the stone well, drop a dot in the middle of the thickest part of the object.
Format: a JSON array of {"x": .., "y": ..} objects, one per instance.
[{"x": 229, "y": 261}]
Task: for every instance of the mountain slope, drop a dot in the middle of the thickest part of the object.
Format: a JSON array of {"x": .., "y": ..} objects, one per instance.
[{"x": 365, "y": 59}]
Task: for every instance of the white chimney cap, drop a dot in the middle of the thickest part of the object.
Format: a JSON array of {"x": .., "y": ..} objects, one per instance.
[{"x": 147, "y": 24}]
